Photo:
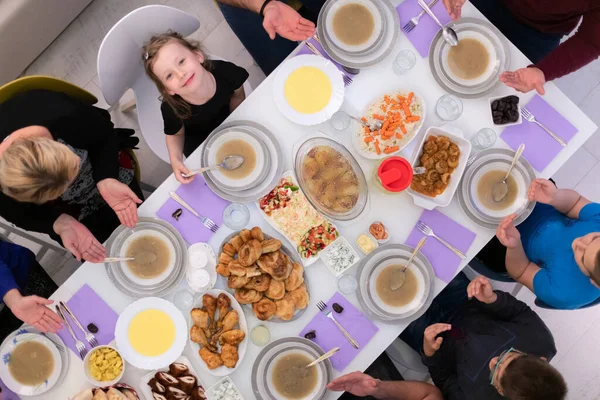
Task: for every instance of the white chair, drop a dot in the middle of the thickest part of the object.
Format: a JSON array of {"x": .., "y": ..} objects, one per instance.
[{"x": 120, "y": 65}]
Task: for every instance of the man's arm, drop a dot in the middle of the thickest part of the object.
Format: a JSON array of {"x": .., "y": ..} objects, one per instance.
[
  {"x": 407, "y": 390},
  {"x": 443, "y": 374},
  {"x": 252, "y": 5}
]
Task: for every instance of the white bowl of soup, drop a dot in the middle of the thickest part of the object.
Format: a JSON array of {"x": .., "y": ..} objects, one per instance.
[{"x": 103, "y": 366}]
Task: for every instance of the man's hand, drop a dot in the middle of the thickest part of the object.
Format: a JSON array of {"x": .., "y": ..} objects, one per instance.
[
  {"x": 78, "y": 239},
  {"x": 357, "y": 383},
  {"x": 431, "y": 343},
  {"x": 481, "y": 289},
  {"x": 507, "y": 233},
  {"x": 454, "y": 8},
  {"x": 33, "y": 311},
  {"x": 283, "y": 20},
  {"x": 542, "y": 191},
  {"x": 179, "y": 169},
  {"x": 525, "y": 80},
  {"x": 121, "y": 199}
]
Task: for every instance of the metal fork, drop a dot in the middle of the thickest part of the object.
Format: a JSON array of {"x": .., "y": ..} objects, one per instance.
[
  {"x": 328, "y": 313},
  {"x": 531, "y": 118},
  {"x": 315, "y": 51},
  {"x": 427, "y": 231},
  {"x": 89, "y": 337},
  {"x": 78, "y": 343},
  {"x": 207, "y": 222},
  {"x": 414, "y": 21}
]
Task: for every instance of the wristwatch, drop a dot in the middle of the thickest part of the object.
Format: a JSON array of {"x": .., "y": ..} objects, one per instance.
[{"x": 262, "y": 8}]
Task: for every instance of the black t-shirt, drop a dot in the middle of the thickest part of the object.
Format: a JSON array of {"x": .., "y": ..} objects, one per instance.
[{"x": 206, "y": 117}]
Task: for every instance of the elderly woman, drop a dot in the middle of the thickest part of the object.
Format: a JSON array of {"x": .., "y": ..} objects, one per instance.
[{"x": 62, "y": 171}]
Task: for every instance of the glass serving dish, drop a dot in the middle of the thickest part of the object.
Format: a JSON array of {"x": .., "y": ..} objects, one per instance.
[
  {"x": 262, "y": 371},
  {"x": 477, "y": 166},
  {"x": 132, "y": 286},
  {"x": 363, "y": 195},
  {"x": 496, "y": 45},
  {"x": 382, "y": 257}
]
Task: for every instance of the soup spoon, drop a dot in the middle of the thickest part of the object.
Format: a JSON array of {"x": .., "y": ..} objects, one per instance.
[
  {"x": 229, "y": 163},
  {"x": 146, "y": 258},
  {"x": 448, "y": 33},
  {"x": 399, "y": 277},
  {"x": 500, "y": 189},
  {"x": 324, "y": 357}
]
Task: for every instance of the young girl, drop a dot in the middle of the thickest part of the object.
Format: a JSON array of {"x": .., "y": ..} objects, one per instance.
[{"x": 197, "y": 94}]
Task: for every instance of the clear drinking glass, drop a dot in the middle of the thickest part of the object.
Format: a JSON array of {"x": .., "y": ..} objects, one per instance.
[
  {"x": 404, "y": 62},
  {"x": 184, "y": 300},
  {"x": 484, "y": 139},
  {"x": 260, "y": 335},
  {"x": 340, "y": 120},
  {"x": 236, "y": 216},
  {"x": 347, "y": 283},
  {"x": 449, "y": 107}
]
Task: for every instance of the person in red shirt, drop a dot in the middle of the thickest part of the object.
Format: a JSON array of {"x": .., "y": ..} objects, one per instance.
[{"x": 536, "y": 27}]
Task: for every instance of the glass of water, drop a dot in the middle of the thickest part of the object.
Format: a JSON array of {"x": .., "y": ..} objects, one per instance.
[
  {"x": 236, "y": 216},
  {"x": 347, "y": 283},
  {"x": 404, "y": 62},
  {"x": 449, "y": 107},
  {"x": 184, "y": 300},
  {"x": 340, "y": 120},
  {"x": 484, "y": 139}
]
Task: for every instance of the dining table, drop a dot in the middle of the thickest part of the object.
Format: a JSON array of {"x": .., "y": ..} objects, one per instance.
[{"x": 398, "y": 212}]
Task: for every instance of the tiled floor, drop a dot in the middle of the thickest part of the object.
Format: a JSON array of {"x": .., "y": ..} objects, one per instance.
[{"x": 72, "y": 56}]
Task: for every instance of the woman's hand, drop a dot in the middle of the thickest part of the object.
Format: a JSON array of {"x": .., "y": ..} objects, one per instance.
[
  {"x": 525, "y": 80},
  {"x": 454, "y": 8},
  {"x": 357, "y": 383},
  {"x": 507, "y": 233},
  {"x": 432, "y": 343},
  {"x": 179, "y": 169},
  {"x": 33, "y": 311},
  {"x": 121, "y": 199},
  {"x": 281, "y": 19},
  {"x": 481, "y": 289},
  {"x": 542, "y": 191},
  {"x": 78, "y": 239}
]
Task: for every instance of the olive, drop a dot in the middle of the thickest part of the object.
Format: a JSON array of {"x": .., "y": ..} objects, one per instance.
[{"x": 92, "y": 328}]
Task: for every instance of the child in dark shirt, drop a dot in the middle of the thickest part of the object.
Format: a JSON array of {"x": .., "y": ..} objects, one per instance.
[{"x": 197, "y": 94}]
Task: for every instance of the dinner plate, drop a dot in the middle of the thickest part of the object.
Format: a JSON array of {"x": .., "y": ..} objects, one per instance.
[
  {"x": 262, "y": 371},
  {"x": 8, "y": 346},
  {"x": 272, "y": 162},
  {"x": 381, "y": 44},
  {"x": 325, "y": 66},
  {"x": 292, "y": 254},
  {"x": 477, "y": 166},
  {"x": 147, "y": 392},
  {"x": 243, "y": 325},
  {"x": 122, "y": 334},
  {"x": 494, "y": 42},
  {"x": 132, "y": 285},
  {"x": 382, "y": 257}
]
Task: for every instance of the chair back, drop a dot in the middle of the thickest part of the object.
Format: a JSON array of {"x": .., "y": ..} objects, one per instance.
[
  {"x": 542, "y": 304},
  {"x": 34, "y": 82},
  {"x": 482, "y": 269},
  {"x": 120, "y": 65}
]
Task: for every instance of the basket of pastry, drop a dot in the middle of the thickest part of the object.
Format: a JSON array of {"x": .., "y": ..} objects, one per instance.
[
  {"x": 119, "y": 391},
  {"x": 179, "y": 381},
  {"x": 265, "y": 274}
]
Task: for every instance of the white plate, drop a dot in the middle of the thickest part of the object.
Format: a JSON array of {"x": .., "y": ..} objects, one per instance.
[
  {"x": 147, "y": 392},
  {"x": 308, "y": 60},
  {"x": 376, "y": 19},
  {"x": 19, "y": 388},
  {"x": 122, "y": 334},
  {"x": 455, "y": 134},
  {"x": 243, "y": 325}
]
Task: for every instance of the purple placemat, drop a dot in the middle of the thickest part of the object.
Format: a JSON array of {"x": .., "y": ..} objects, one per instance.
[
  {"x": 540, "y": 148},
  {"x": 306, "y": 50},
  {"x": 422, "y": 35},
  {"x": 199, "y": 196},
  {"x": 88, "y": 307},
  {"x": 443, "y": 260},
  {"x": 329, "y": 336},
  {"x": 6, "y": 393}
]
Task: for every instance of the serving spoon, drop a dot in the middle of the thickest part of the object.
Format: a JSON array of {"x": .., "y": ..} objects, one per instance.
[
  {"x": 500, "y": 189},
  {"x": 448, "y": 33},
  {"x": 399, "y": 277},
  {"x": 229, "y": 163}
]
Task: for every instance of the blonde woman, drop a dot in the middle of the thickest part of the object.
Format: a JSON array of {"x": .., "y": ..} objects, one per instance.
[{"x": 62, "y": 171}]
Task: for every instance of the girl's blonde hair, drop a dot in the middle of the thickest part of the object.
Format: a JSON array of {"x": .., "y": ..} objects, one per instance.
[
  {"x": 151, "y": 49},
  {"x": 37, "y": 170}
]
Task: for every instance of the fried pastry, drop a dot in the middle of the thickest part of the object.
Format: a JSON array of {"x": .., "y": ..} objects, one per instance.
[
  {"x": 285, "y": 308},
  {"x": 225, "y": 258},
  {"x": 276, "y": 290},
  {"x": 264, "y": 309},
  {"x": 257, "y": 234},
  {"x": 235, "y": 268},
  {"x": 247, "y": 296},
  {"x": 259, "y": 283},
  {"x": 245, "y": 235},
  {"x": 300, "y": 297},
  {"x": 253, "y": 271},
  {"x": 233, "y": 337},
  {"x": 270, "y": 245},
  {"x": 249, "y": 253},
  {"x": 223, "y": 269},
  {"x": 236, "y": 282},
  {"x": 229, "y": 250},
  {"x": 295, "y": 279},
  {"x": 229, "y": 355},
  {"x": 275, "y": 264},
  {"x": 236, "y": 242},
  {"x": 212, "y": 360}
]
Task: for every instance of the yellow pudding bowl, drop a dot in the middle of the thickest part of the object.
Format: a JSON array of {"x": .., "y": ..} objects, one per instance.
[{"x": 308, "y": 90}]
